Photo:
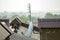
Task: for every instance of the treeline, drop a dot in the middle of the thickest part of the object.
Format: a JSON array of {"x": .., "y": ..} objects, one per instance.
[{"x": 50, "y": 15}]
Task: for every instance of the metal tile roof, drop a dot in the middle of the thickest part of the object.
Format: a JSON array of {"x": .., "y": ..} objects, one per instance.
[
  {"x": 3, "y": 33},
  {"x": 16, "y": 21},
  {"x": 20, "y": 37},
  {"x": 49, "y": 23}
]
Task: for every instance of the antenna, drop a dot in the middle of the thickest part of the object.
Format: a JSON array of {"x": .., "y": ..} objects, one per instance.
[{"x": 29, "y": 11}]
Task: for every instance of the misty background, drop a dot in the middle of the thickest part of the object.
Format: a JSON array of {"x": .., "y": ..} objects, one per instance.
[{"x": 39, "y": 9}]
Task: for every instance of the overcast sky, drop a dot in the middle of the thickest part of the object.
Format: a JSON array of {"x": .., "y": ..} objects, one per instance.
[{"x": 36, "y": 5}]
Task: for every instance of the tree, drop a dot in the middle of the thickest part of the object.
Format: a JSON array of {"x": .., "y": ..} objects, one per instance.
[
  {"x": 49, "y": 15},
  {"x": 24, "y": 18},
  {"x": 14, "y": 16},
  {"x": 4, "y": 17}
]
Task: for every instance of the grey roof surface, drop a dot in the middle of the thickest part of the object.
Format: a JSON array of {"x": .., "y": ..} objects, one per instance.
[
  {"x": 20, "y": 37},
  {"x": 49, "y": 23},
  {"x": 16, "y": 21},
  {"x": 6, "y": 21},
  {"x": 6, "y": 28},
  {"x": 2, "y": 20},
  {"x": 3, "y": 33}
]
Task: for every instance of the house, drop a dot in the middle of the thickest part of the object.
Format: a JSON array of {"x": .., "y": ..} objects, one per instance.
[
  {"x": 49, "y": 29},
  {"x": 24, "y": 27},
  {"x": 7, "y": 34},
  {"x": 16, "y": 23}
]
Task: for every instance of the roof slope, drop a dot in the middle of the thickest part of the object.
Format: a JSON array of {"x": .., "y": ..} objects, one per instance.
[
  {"x": 16, "y": 21},
  {"x": 4, "y": 20},
  {"x": 49, "y": 23},
  {"x": 20, "y": 37},
  {"x": 4, "y": 31}
]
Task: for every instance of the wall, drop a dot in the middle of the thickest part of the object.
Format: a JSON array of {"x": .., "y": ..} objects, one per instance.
[{"x": 50, "y": 34}]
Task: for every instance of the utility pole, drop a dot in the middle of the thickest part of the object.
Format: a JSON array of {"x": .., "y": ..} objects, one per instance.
[
  {"x": 30, "y": 27},
  {"x": 29, "y": 7}
]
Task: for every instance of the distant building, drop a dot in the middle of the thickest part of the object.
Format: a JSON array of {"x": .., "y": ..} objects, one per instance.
[
  {"x": 49, "y": 29},
  {"x": 6, "y": 21}
]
